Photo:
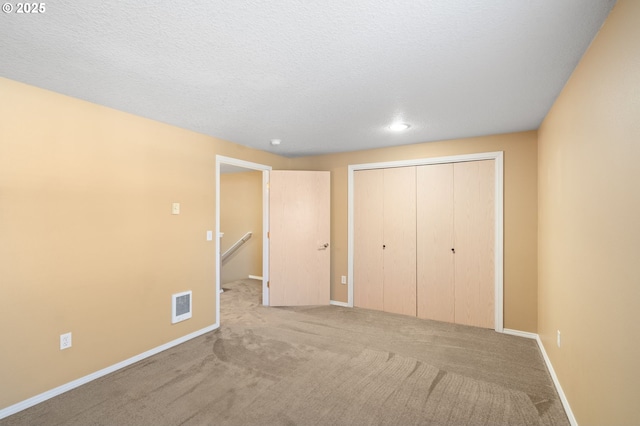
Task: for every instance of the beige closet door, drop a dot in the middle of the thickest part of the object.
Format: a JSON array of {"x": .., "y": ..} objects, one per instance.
[
  {"x": 474, "y": 223},
  {"x": 435, "y": 258},
  {"x": 299, "y": 228},
  {"x": 367, "y": 239},
  {"x": 399, "y": 245}
]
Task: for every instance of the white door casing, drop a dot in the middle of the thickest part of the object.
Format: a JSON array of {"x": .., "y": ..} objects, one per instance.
[{"x": 220, "y": 160}]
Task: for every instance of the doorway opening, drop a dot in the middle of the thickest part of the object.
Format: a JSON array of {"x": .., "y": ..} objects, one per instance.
[{"x": 228, "y": 165}]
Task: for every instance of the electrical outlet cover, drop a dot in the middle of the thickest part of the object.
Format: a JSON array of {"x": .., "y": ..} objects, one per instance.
[{"x": 65, "y": 341}]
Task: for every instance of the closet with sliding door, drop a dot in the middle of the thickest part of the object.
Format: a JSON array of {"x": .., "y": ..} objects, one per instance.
[{"x": 424, "y": 241}]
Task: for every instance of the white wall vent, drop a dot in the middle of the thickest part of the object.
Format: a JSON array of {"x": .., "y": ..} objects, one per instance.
[{"x": 181, "y": 307}]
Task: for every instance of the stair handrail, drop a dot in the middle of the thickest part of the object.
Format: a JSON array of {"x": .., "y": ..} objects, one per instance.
[{"x": 236, "y": 246}]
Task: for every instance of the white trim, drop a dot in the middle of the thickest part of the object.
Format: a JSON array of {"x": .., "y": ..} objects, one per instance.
[
  {"x": 499, "y": 216},
  {"x": 556, "y": 382},
  {"x": 221, "y": 159},
  {"x": 23, "y": 405},
  {"x": 425, "y": 161},
  {"x": 498, "y": 260},
  {"x": 337, "y": 303},
  {"x": 552, "y": 373},
  {"x": 255, "y": 277},
  {"x": 265, "y": 237},
  {"x": 519, "y": 333},
  {"x": 350, "y": 227}
]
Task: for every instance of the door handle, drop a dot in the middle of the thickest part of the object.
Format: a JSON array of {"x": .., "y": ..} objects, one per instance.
[
  {"x": 453, "y": 250},
  {"x": 324, "y": 246}
]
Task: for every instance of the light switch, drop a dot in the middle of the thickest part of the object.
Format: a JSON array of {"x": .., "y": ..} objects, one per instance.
[
  {"x": 209, "y": 235},
  {"x": 175, "y": 208}
]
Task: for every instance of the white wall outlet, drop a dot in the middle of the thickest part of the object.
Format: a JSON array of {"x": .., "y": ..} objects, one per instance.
[
  {"x": 558, "y": 339},
  {"x": 209, "y": 235},
  {"x": 175, "y": 208},
  {"x": 65, "y": 341},
  {"x": 343, "y": 280}
]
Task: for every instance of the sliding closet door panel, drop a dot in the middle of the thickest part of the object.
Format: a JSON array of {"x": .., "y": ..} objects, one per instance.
[
  {"x": 474, "y": 197},
  {"x": 367, "y": 239},
  {"x": 400, "y": 240},
  {"x": 435, "y": 267}
]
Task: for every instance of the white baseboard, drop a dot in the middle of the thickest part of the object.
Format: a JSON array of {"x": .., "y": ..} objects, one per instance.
[
  {"x": 336, "y": 303},
  {"x": 12, "y": 409},
  {"x": 255, "y": 277},
  {"x": 547, "y": 361},
  {"x": 556, "y": 382},
  {"x": 519, "y": 333}
]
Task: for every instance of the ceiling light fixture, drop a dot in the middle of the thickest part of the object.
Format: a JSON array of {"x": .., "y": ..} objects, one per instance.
[
  {"x": 399, "y": 127},
  {"x": 275, "y": 142}
]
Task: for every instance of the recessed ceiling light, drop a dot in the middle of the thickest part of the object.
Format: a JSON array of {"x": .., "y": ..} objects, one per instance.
[
  {"x": 399, "y": 127},
  {"x": 275, "y": 142}
]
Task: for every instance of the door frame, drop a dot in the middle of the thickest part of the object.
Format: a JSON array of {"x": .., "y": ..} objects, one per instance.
[
  {"x": 498, "y": 156},
  {"x": 220, "y": 159}
]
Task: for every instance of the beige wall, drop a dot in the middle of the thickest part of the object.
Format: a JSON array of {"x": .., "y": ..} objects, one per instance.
[
  {"x": 589, "y": 227},
  {"x": 88, "y": 244},
  {"x": 520, "y": 211},
  {"x": 241, "y": 212}
]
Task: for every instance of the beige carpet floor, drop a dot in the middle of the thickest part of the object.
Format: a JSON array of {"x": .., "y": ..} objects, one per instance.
[{"x": 319, "y": 365}]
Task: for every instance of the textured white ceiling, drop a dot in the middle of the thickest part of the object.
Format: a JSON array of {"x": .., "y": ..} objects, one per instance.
[{"x": 323, "y": 76}]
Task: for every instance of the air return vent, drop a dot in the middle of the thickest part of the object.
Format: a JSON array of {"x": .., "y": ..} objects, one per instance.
[{"x": 181, "y": 306}]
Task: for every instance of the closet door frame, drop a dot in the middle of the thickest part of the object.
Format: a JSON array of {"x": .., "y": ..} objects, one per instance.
[{"x": 499, "y": 217}]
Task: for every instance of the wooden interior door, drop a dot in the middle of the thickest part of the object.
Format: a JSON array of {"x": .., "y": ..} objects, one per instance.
[
  {"x": 299, "y": 234},
  {"x": 435, "y": 258},
  {"x": 367, "y": 239},
  {"x": 399, "y": 245},
  {"x": 474, "y": 223}
]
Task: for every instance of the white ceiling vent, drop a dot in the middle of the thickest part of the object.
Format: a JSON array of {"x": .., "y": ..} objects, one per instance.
[{"x": 181, "y": 307}]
